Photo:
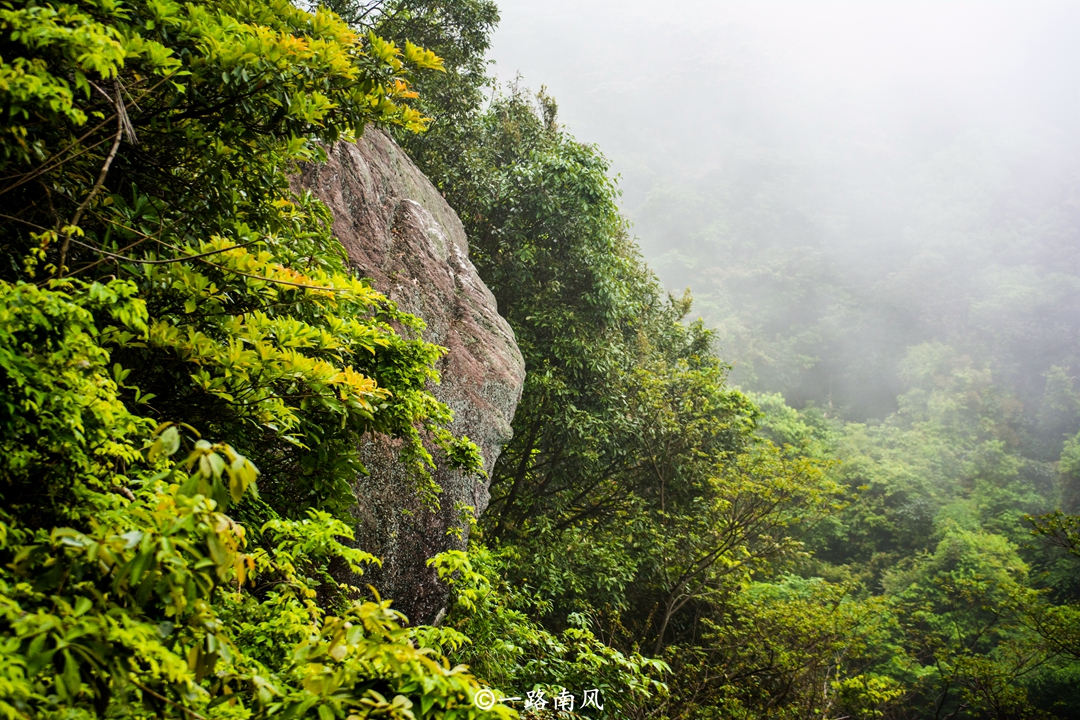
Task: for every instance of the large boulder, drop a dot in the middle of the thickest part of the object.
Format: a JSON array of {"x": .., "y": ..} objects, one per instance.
[{"x": 399, "y": 231}]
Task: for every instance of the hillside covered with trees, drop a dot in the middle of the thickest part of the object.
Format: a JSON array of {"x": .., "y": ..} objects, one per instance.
[{"x": 189, "y": 367}]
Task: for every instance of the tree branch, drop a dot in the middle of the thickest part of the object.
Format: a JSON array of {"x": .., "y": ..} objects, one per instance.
[{"x": 94, "y": 190}]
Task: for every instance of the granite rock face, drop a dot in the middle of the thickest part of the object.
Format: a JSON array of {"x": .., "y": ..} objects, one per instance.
[{"x": 399, "y": 231}]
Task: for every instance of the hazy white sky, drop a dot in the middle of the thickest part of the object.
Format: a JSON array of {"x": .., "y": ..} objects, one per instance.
[{"x": 678, "y": 85}]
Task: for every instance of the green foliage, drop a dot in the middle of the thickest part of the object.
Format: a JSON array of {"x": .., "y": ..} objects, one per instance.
[
  {"x": 732, "y": 528},
  {"x": 1069, "y": 474},
  {"x": 157, "y": 610},
  {"x": 459, "y": 32},
  {"x": 261, "y": 333},
  {"x": 988, "y": 620},
  {"x": 635, "y": 504},
  {"x": 162, "y": 288},
  {"x": 147, "y": 604},
  {"x": 949, "y": 456},
  {"x": 963, "y": 609},
  {"x": 66, "y": 433},
  {"x": 803, "y": 648},
  {"x": 509, "y": 649}
]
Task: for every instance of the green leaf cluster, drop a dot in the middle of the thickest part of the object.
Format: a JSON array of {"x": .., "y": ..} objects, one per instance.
[{"x": 188, "y": 366}]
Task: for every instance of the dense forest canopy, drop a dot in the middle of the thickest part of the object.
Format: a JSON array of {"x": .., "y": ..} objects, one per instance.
[{"x": 188, "y": 365}]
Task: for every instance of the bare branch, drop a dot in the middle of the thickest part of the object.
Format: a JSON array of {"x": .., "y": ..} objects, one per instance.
[{"x": 91, "y": 195}]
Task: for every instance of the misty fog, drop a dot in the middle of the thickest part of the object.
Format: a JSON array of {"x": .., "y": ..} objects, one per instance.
[{"x": 837, "y": 182}]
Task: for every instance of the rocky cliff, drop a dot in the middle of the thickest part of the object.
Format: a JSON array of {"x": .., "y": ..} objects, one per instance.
[{"x": 399, "y": 231}]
